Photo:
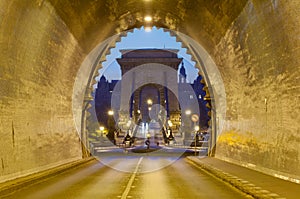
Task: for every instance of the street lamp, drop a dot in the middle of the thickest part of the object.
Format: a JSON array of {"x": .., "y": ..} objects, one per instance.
[
  {"x": 148, "y": 18},
  {"x": 197, "y": 128},
  {"x": 110, "y": 112},
  {"x": 170, "y": 123},
  {"x": 128, "y": 124},
  {"x": 188, "y": 112},
  {"x": 101, "y": 130},
  {"x": 149, "y": 102},
  {"x": 148, "y": 135}
]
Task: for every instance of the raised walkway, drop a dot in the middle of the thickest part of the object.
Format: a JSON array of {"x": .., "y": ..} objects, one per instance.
[
  {"x": 256, "y": 184},
  {"x": 15, "y": 184}
]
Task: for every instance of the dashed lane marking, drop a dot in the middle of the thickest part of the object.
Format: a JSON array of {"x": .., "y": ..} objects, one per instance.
[{"x": 130, "y": 182}]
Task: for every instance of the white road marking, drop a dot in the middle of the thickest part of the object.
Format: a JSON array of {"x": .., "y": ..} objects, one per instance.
[{"x": 130, "y": 182}]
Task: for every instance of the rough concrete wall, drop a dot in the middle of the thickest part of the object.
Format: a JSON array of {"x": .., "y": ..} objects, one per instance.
[
  {"x": 259, "y": 61},
  {"x": 38, "y": 63},
  {"x": 92, "y": 21}
]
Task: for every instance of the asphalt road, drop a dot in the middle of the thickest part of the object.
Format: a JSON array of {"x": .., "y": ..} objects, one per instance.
[{"x": 144, "y": 179}]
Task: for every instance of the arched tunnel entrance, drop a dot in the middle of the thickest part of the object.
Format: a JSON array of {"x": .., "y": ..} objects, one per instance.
[
  {"x": 247, "y": 52},
  {"x": 211, "y": 73}
]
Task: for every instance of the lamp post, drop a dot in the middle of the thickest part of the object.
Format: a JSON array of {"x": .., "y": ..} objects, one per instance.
[
  {"x": 195, "y": 118},
  {"x": 149, "y": 103},
  {"x": 111, "y": 127},
  {"x": 101, "y": 131},
  {"x": 169, "y": 130},
  {"x": 197, "y": 128},
  {"x": 187, "y": 127}
]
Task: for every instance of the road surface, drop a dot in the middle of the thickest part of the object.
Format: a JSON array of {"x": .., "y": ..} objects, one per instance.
[{"x": 146, "y": 179}]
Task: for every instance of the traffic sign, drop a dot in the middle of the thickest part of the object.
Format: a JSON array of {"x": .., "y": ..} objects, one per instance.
[{"x": 194, "y": 117}]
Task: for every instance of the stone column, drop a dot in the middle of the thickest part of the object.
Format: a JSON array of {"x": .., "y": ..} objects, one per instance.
[
  {"x": 132, "y": 95},
  {"x": 125, "y": 99}
]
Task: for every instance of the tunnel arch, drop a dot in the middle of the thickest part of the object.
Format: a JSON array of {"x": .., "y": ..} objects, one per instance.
[
  {"x": 255, "y": 45},
  {"x": 207, "y": 69}
]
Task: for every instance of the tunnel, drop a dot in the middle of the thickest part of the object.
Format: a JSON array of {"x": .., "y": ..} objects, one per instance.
[{"x": 247, "y": 51}]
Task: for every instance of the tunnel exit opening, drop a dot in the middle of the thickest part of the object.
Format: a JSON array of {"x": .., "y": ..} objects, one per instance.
[{"x": 211, "y": 79}]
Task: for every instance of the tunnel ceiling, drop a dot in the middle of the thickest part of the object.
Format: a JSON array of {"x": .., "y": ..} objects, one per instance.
[{"x": 92, "y": 21}]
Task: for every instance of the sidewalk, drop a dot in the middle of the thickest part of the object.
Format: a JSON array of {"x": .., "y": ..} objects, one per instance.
[
  {"x": 15, "y": 184},
  {"x": 255, "y": 183}
]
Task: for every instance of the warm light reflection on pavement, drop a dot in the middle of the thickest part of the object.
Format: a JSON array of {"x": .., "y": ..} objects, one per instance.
[{"x": 177, "y": 180}]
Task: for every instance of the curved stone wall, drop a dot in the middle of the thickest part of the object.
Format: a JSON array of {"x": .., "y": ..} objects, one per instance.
[
  {"x": 255, "y": 45},
  {"x": 39, "y": 60},
  {"x": 259, "y": 61}
]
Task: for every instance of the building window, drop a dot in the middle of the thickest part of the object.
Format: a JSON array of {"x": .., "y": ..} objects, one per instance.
[{"x": 191, "y": 97}]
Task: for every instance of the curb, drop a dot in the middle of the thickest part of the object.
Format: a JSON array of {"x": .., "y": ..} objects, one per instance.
[
  {"x": 15, "y": 184},
  {"x": 243, "y": 185}
]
